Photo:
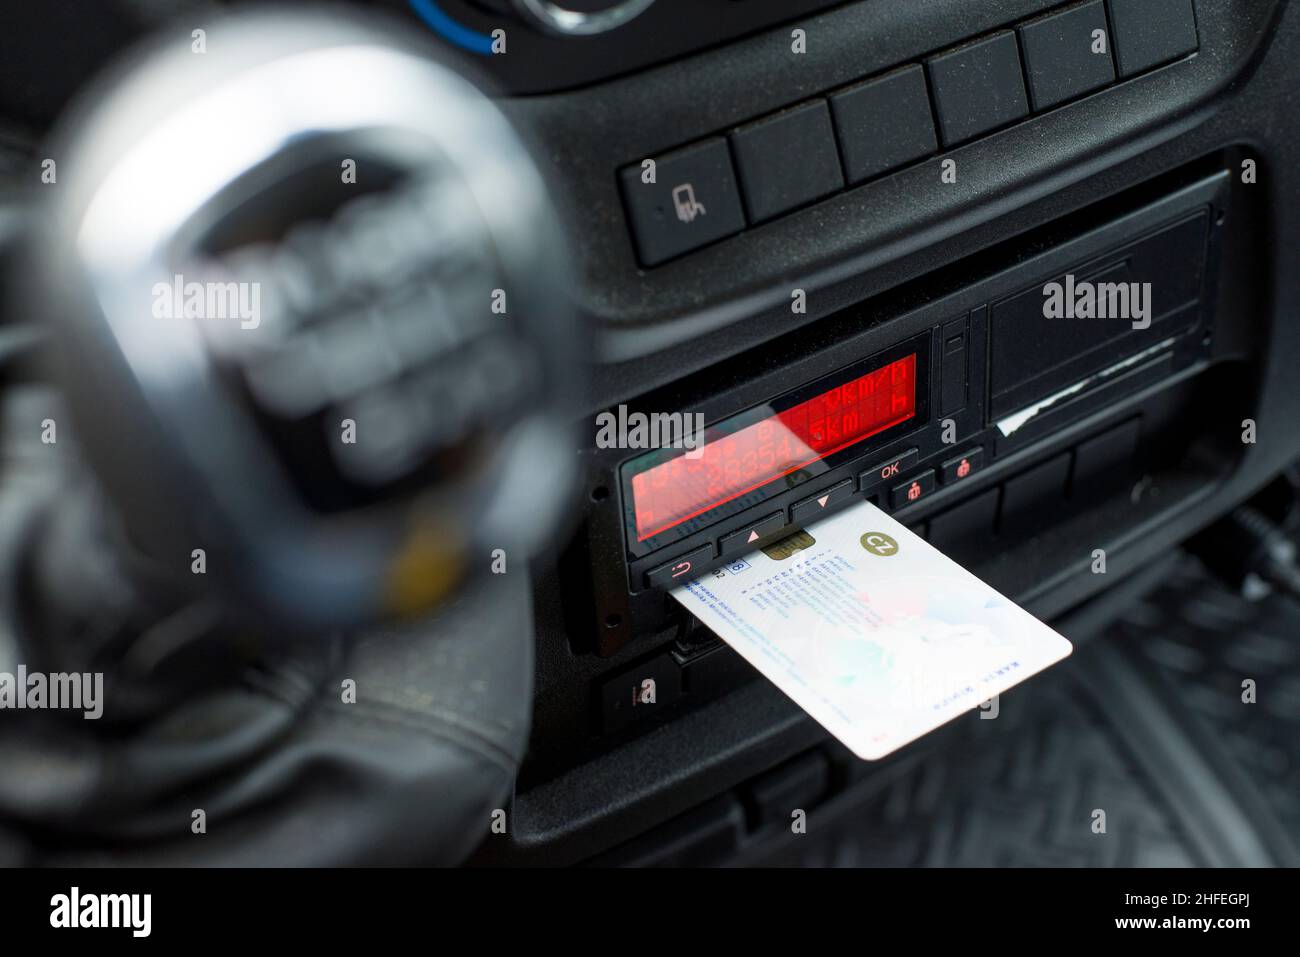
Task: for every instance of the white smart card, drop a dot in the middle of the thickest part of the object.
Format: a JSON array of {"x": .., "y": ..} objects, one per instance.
[{"x": 875, "y": 633}]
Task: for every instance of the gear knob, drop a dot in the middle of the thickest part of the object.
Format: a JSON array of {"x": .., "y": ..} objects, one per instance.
[{"x": 311, "y": 317}]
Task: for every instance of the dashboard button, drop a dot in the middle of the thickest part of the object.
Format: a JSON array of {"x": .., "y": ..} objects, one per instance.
[
  {"x": 961, "y": 466},
  {"x": 640, "y": 692},
  {"x": 681, "y": 569},
  {"x": 787, "y": 160},
  {"x": 963, "y": 533},
  {"x": 1151, "y": 32},
  {"x": 801, "y": 782},
  {"x": 952, "y": 378},
  {"x": 810, "y": 509},
  {"x": 888, "y": 469},
  {"x": 1104, "y": 464},
  {"x": 884, "y": 124},
  {"x": 1063, "y": 58},
  {"x": 746, "y": 540},
  {"x": 978, "y": 88},
  {"x": 912, "y": 491},
  {"x": 692, "y": 202},
  {"x": 1032, "y": 501}
]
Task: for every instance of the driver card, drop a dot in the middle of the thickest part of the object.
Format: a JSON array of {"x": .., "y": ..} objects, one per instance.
[{"x": 875, "y": 633}]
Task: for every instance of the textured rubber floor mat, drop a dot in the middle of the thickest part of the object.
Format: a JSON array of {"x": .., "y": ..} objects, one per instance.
[
  {"x": 1234, "y": 666},
  {"x": 1021, "y": 789},
  {"x": 1146, "y": 724}
]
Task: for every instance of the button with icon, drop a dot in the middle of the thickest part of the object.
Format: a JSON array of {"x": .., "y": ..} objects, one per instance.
[
  {"x": 961, "y": 466},
  {"x": 912, "y": 491},
  {"x": 748, "y": 538},
  {"x": 681, "y": 569},
  {"x": 814, "y": 507},
  {"x": 890, "y": 468},
  {"x": 680, "y": 201}
]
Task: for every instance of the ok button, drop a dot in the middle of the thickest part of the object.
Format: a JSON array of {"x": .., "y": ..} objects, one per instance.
[{"x": 888, "y": 470}]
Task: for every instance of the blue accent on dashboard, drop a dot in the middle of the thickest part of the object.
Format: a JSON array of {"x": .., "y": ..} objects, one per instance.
[{"x": 449, "y": 29}]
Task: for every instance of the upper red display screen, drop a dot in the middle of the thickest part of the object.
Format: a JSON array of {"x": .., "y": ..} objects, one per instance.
[{"x": 685, "y": 486}]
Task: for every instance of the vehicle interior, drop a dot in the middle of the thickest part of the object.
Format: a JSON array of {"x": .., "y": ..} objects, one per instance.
[{"x": 377, "y": 565}]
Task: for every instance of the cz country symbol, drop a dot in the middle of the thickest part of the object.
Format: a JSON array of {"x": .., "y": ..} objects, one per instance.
[{"x": 878, "y": 543}]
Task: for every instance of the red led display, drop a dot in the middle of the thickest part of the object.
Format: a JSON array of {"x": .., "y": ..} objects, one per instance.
[{"x": 682, "y": 487}]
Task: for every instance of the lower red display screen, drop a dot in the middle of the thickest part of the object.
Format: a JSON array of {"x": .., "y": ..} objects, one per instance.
[{"x": 748, "y": 458}]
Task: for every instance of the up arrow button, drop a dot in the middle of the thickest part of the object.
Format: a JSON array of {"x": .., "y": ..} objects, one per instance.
[{"x": 743, "y": 540}]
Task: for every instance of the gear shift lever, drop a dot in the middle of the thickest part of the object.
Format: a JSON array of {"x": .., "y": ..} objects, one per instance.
[
  {"x": 306, "y": 286},
  {"x": 306, "y": 292}
]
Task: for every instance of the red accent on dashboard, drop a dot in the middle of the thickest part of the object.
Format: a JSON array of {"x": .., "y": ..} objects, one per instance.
[{"x": 685, "y": 486}]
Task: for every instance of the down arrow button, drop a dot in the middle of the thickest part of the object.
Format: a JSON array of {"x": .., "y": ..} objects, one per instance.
[{"x": 811, "y": 509}]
